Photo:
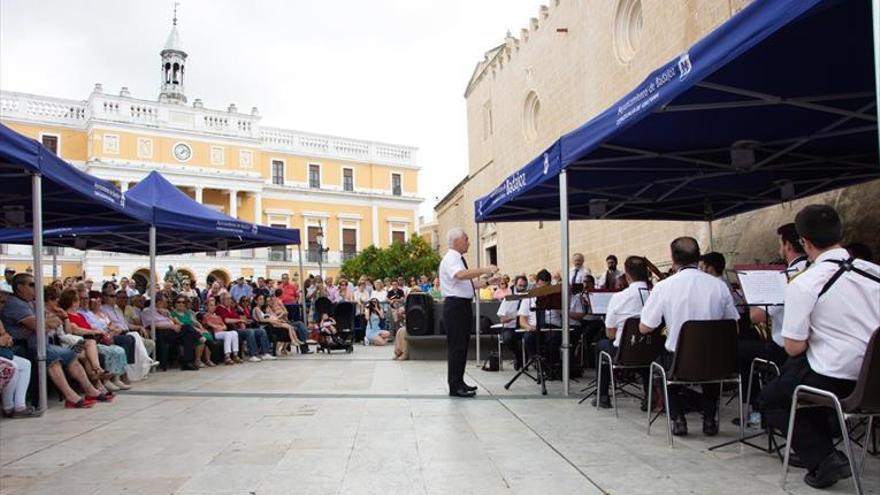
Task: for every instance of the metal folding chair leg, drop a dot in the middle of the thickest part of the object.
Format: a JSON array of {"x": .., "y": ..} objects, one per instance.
[
  {"x": 844, "y": 431},
  {"x": 656, "y": 366},
  {"x": 500, "y": 359},
  {"x": 599, "y": 368},
  {"x": 752, "y": 374}
]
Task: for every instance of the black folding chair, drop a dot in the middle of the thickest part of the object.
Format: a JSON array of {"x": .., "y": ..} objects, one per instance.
[
  {"x": 636, "y": 351},
  {"x": 705, "y": 353},
  {"x": 863, "y": 402}
]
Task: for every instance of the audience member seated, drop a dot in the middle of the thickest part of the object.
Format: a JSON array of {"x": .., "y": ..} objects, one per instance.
[
  {"x": 81, "y": 322},
  {"x": 622, "y": 306},
  {"x": 185, "y": 317},
  {"x": 140, "y": 366},
  {"x": 20, "y": 322},
  {"x": 831, "y": 312},
  {"x": 687, "y": 295},
  {"x": 262, "y": 314},
  {"x": 72, "y": 336},
  {"x": 170, "y": 335},
  {"x": 131, "y": 315},
  {"x": 15, "y": 377},
  {"x": 258, "y": 345},
  {"x": 435, "y": 290},
  {"x": 213, "y": 322}
]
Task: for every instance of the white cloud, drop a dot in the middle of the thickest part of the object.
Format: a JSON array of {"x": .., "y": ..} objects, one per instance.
[{"x": 388, "y": 70}]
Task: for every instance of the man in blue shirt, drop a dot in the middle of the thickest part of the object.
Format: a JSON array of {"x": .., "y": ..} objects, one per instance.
[{"x": 240, "y": 289}]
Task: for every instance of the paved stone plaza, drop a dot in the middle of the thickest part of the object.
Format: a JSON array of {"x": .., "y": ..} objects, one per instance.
[{"x": 362, "y": 423}]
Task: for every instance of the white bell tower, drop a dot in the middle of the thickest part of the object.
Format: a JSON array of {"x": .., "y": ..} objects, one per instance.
[{"x": 173, "y": 63}]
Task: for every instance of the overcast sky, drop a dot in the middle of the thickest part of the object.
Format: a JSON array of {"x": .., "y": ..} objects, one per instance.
[{"x": 387, "y": 70}]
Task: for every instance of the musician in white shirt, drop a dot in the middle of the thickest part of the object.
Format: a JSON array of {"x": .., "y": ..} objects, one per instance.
[
  {"x": 508, "y": 315},
  {"x": 623, "y": 305},
  {"x": 687, "y": 295},
  {"x": 528, "y": 319},
  {"x": 578, "y": 271},
  {"x": 792, "y": 252},
  {"x": 831, "y": 311},
  {"x": 457, "y": 284}
]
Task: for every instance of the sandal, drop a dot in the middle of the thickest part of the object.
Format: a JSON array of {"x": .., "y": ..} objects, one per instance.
[
  {"x": 80, "y": 404},
  {"x": 210, "y": 364},
  {"x": 228, "y": 361}
]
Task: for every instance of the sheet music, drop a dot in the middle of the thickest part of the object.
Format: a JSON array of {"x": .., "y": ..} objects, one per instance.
[
  {"x": 763, "y": 286},
  {"x": 599, "y": 302}
]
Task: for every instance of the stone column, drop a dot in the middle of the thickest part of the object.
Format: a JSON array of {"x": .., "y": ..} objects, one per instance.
[
  {"x": 123, "y": 186},
  {"x": 375, "y": 225},
  {"x": 198, "y": 191},
  {"x": 258, "y": 208},
  {"x": 233, "y": 203}
]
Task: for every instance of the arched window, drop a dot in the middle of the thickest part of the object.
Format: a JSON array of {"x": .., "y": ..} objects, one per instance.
[
  {"x": 174, "y": 76},
  {"x": 167, "y": 72}
]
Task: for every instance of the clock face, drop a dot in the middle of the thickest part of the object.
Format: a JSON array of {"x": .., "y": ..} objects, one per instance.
[{"x": 182, "y": 152}]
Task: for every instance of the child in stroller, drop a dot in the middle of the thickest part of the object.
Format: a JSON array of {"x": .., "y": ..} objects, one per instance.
[{"x": 328, "y": 330}]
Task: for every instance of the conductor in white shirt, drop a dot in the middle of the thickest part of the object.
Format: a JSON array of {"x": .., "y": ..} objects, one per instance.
[
  {"x": 831, "y": 312},
  {"x": 457, "y": 284},
  {"x": 687, "y": 295}
]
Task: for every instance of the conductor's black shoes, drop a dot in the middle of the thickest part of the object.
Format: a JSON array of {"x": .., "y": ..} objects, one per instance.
[
  {"x": 710, "y": 427},
  {"x": 470, "y": 387},
  {"x": 462, "y": 392}
]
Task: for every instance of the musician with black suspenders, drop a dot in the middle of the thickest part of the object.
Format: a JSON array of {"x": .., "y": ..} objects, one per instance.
[{"x": 831, "y": 311}]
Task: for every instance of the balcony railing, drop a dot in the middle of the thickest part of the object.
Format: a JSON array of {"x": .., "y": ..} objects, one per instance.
[
  {"x": 347, "y": 255},
  {"x": 276, "y": 254},
  {"x": 313, "y": 256}
]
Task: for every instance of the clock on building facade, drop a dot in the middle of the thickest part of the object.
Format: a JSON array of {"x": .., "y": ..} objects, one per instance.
[{"x": 182, "y": 152}]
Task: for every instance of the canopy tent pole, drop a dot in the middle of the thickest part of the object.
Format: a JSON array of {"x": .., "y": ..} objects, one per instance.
[
  {"x": 152, "y": 285},
  {"x": 477, "y": 300},
  {"x": 711, "y": 237},
  {"x": 54, "y": 264},
  {"x": 875, "y": 6},
  {"x": 302, "y": 290},
  {"x": 563, "y": 230},
  {"x": 39, "y": 304}
]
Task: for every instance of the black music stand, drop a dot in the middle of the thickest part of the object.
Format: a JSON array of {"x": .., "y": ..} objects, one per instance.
[{"x": 543, "y": 303}]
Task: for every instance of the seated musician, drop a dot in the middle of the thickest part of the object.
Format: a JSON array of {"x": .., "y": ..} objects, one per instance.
[
  {"x": 622, "y": 306},
  {"x": 528, "y": 320},
  {"x": 687, "y": 295},
  {"x": 508, "y": 315},
  {"x": 713, "y": 263},
  {"x": 795, "y": 258},
  {"x": 831, "y": 312}
]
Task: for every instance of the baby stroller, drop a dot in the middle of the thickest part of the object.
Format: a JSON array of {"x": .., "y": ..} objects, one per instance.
[{"x": 344, "y": 316}]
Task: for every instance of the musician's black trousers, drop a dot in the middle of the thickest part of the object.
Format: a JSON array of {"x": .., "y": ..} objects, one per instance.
[
  {"x": 708, "y": 399},
  {"x": 813, "y": 436},
  {"x": 457, "y": 318},
  {"x": 513, "y": 342},
  {"x": 747, "y": 350}
]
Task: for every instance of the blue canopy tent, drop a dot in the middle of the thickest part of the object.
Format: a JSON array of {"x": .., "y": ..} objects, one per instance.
[
  {"x": 776, "y": 104},
  {"x": 40, "y": 189},
  {"x": 173, "y": 223}
]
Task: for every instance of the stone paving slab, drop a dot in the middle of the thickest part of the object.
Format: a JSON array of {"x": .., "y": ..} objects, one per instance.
[{"x": 364, "y": 424}]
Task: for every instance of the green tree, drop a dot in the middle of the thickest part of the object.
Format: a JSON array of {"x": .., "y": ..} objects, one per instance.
[{"x": 408, "y": 259}]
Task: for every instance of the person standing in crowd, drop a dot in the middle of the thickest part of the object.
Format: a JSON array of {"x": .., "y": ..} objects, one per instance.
[
  {"x": 331, "y": 289},
  {"x": 831, "y": 312},
  {"x": 623, "y": 305},
  {"x": 508, "y": 316},
  {"x": 458, "y": 283},
  {"x": 608, "y": 280},
  {"x": 687, "y": 295},
  {"x": 6, "y": 282},
  {"x": 241, "y": 289},
  {"x": 290, "y": 298}
]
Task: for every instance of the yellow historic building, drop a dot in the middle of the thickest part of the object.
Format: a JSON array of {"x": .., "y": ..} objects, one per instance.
[{"x": 349, "y": 192}]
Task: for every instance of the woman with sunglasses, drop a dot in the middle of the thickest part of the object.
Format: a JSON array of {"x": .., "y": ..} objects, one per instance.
[
  {"x": 78, "y": 324},
  {"x": 184, "y": 316}
]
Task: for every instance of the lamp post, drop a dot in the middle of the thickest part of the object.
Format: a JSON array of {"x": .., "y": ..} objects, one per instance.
[{"x": 321, "y": 250}]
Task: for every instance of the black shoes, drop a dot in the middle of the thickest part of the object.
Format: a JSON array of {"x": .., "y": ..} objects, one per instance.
[
  {"x": 470, "y": 387},
  {"x": 604, "y": 402},
  {"x": 189, "y": 367},
  {"x": 679, "y": 426},
  {"x": 832, "y": 469},
  {"x": 462, "y": 392},
  {"x": 710, "y": 427}
]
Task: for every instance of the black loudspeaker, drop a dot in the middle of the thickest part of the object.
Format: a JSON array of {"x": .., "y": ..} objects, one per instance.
[{"x": 420, "y": 314}]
